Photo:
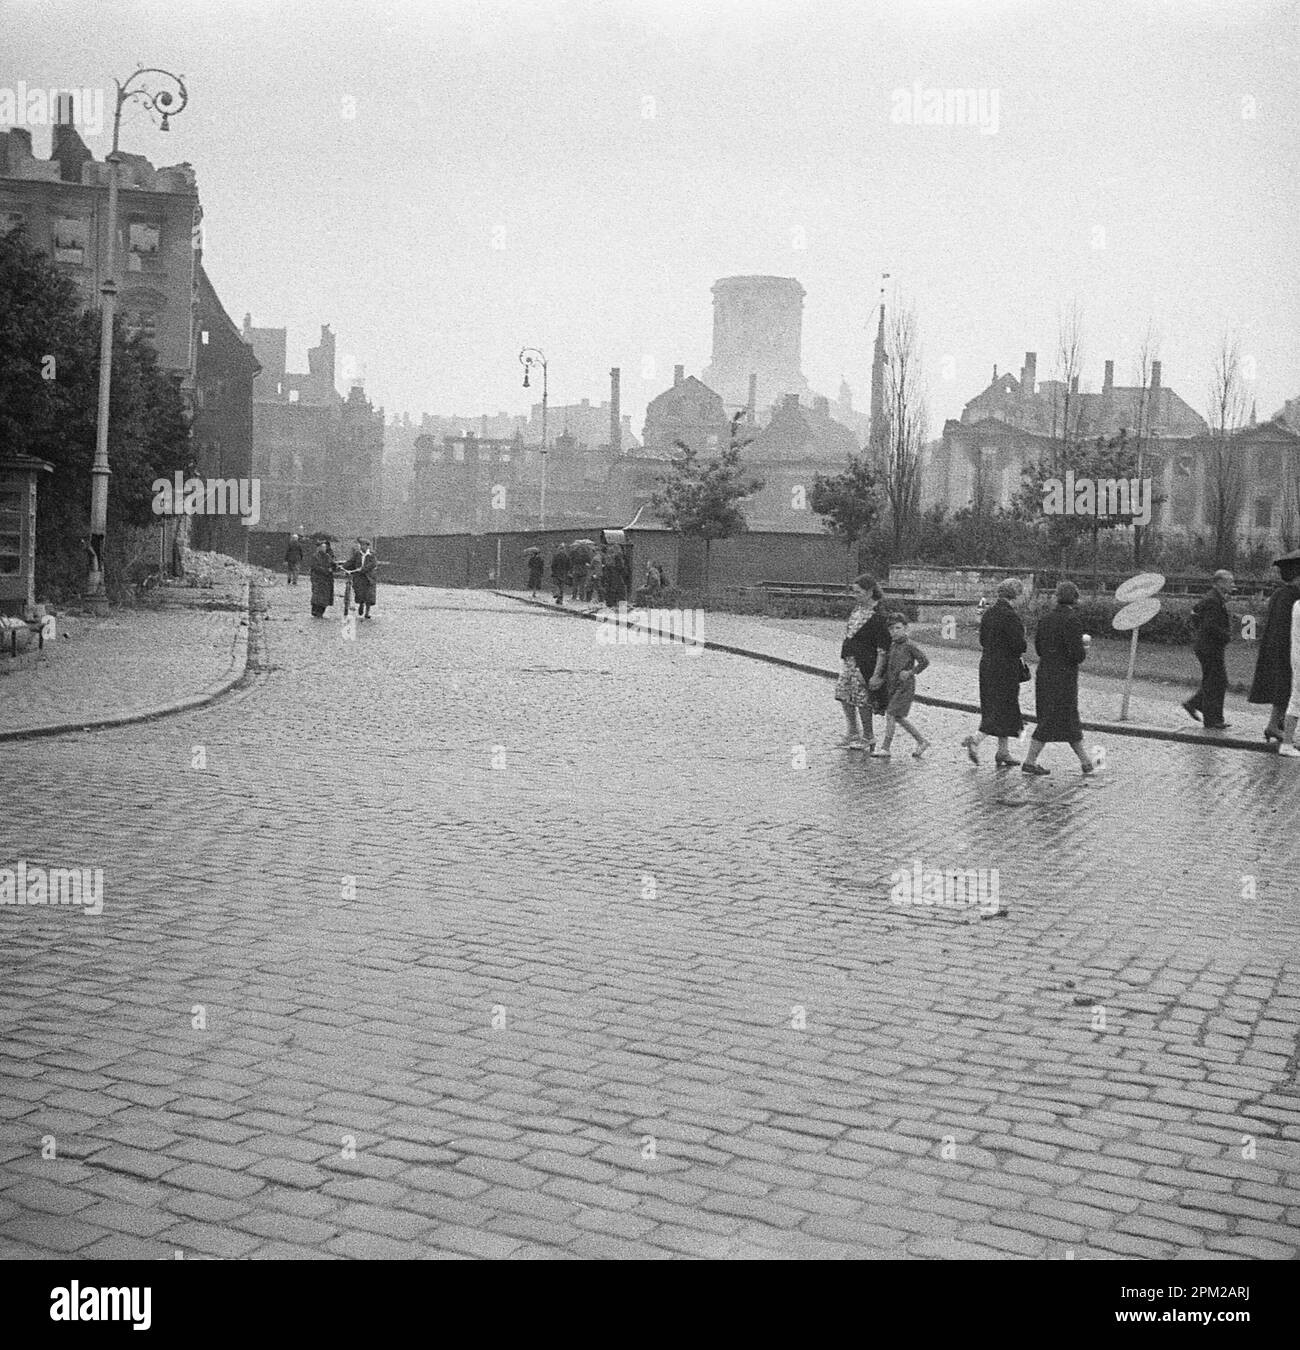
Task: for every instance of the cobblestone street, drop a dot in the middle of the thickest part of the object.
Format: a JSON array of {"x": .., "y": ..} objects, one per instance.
[{"x": 475, "y": 937}]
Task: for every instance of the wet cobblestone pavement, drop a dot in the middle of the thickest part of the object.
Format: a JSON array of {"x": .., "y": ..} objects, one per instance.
[{"x": 473, "y": 937}]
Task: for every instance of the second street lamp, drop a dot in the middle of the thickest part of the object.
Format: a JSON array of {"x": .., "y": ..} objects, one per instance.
[
  {"x": 530, "y": 357},
  {"x": 166, "y": 104}
]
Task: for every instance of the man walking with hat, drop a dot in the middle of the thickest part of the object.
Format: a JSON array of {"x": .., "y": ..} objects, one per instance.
[
  {"x": 1276, "y": 665},
  {"x": 1213, "y": 627}
]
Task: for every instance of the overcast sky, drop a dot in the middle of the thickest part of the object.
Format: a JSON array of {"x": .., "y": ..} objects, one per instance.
[{"x": 577, "y": 175}]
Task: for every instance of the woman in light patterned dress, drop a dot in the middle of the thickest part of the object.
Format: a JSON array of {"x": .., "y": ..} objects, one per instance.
[{"x": 862, "y": 662}]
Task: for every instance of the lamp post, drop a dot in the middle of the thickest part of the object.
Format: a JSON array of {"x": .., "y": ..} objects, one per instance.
[
  {"x": 166, "y": 104},
  {"x": 530, "y": 357}
]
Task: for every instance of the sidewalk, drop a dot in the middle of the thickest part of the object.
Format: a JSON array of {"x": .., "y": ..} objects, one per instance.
[
  {"x": 952, "y": 680},
  {"x": 132, "y": 663}
]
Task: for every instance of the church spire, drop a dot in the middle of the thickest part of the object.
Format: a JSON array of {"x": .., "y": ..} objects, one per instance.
[{"x": 878, "y": 363}]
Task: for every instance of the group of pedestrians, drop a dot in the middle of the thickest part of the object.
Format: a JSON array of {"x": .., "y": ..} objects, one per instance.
[
  {"x": 325, "y": 567},
  {"x": 880, "y": 663},
  {"x": 1277, "y": 667},
  {"x": 1062, "y": 647},
  {"x": 584, "y": 572}
]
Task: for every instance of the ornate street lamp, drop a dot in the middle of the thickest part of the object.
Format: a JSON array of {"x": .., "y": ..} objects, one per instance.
[
  {"x": 165, "y": 103},
  {"x": 530, "y": 357}
]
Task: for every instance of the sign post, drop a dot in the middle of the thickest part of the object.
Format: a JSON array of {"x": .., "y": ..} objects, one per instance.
[{"x": 1140, "y": 604}]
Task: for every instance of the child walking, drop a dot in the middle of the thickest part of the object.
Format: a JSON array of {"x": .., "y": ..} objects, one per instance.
[{"x": 904, "y": 662}]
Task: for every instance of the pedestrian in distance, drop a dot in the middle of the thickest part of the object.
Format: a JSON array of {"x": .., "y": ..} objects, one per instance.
[
  {"x": 361, "y": 564},
  {"x": 323, "y": 567},
  {"x": 1062, "y": 647},
  {"x": 1275, "y": 666},
  {"x": 1002, "y": 672},
  {"x": 1212, "y": 625},
  {"x": 903, "y": 663},
  {"x": 862, "y": 661},
  {"x": 536, "y": 571},
  {"x": 579, "y": 570},
  {"x": 614, "y": 576},
  {"x": 560, "y": 572},
  {"x": 293, "y": 559}
]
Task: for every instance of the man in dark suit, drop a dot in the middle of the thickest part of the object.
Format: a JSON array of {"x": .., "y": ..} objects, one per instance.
[{"x": 1213, "y": 625}]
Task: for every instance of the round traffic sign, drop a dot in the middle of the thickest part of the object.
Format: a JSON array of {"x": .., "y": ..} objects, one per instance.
[
  {"x": 1136, "y": 614},
  {"x": 1139, "y": 587}
]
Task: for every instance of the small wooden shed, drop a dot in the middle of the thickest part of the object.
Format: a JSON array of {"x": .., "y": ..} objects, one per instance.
[{"x": 18, "y": 476}]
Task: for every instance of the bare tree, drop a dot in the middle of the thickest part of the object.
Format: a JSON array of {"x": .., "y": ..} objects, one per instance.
[
  {"x": 1224, "y": 481},
  {"x": 1148, "y": 353},
  {"x": 1289, "y": 520},
  {"x": 908, "y": 419},
  {"x": 1066, "y": 403}
]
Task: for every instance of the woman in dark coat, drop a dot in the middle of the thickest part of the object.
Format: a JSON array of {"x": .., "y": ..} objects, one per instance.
[
  {"x": 1272, "y": 682},
  {"x": 614, "y": 577},
  {"x": 322, "y": 579},
  {"x": 1061, "y": 649},
  {"x": 1002, "y": 638},
  {"x": 362, "y": 566},
  {"x": 560, "y": 572},
  {"x": 536, "y": 566}
]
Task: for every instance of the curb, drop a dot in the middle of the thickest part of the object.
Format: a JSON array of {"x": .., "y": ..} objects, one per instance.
[
  {"x": 953, "y": 705},
  {"x": 240, "y": 659}
]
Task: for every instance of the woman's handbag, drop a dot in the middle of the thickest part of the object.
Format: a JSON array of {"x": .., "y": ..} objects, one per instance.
[{"x": 1025, "y": 673}]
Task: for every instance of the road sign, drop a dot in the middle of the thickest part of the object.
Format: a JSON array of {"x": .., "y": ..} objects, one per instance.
[
  {"x": 1139, "y": 587},
  {"x": 1136, "y": 614},
  {"x": 1140, "y": 592}
]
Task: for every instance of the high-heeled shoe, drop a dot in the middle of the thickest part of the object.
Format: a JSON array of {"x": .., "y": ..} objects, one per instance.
[
  {"x": 972, "y": 753},
  {"x": 1004, "y": 761}
]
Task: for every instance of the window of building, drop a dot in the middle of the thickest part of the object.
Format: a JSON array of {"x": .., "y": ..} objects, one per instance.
[
  {"x": 142, "y": 323},
  {"x": 203, "y": 337},
  {"x": 293, "y": 396},
  {"x": 142, "y": 238},
  {"x": 458, "y": 454},
  {"x": 13, "y": 501},
  {"x": 11, "y": 555},
  {"x": 1263, "y": 513},
  {"x": 10, "y": 220},
  {"x": 70, "y": 234},
  {"x": 141, "y": 245}
]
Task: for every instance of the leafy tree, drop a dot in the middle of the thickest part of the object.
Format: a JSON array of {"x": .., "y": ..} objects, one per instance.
[
  {"x": 49, "y": 375},
  {"x": 1104, "y": 459},
  {"x": 849, "y": 503},
  {"x": 701, "y": 498}
]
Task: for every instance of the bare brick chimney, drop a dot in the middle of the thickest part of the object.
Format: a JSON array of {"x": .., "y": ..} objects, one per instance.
[
  {"x": 1108, "y": 379},
  {"x": 679, "y": 374},
  {"x": 1029, "y": 373},
  {"x": 66, "y": 146},
  {"x": 1155, "y": 376}
]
